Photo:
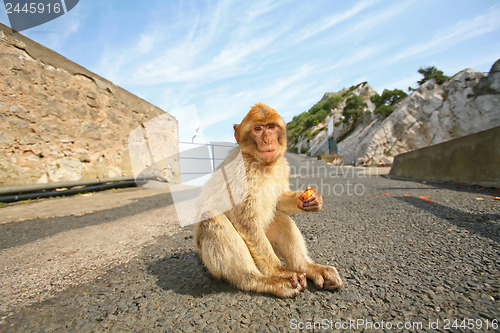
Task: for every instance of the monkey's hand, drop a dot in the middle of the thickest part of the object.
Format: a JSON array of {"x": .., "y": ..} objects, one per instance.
[{"x": 312, "y": 204}]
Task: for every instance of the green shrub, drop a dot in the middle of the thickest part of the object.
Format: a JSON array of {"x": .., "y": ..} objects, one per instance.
[
  {"x": 432, "y": 72},
  {"x": 318, "y": 113},
  {"x": 384, "y": 110},
  {"x": 308, "y": 134},
  {"x": 354, "y": 107},
  {"x": 315, "y": 115},
  {"x": 386, "y": 103}
]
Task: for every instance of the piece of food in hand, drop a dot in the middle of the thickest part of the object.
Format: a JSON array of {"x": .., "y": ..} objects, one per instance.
[{"x": 308, "y": 193}]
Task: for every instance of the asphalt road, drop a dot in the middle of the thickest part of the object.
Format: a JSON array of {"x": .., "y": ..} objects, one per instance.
[{"x": 414, "y": 257}]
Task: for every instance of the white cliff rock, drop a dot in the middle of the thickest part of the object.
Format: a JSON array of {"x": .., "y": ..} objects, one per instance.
[
  {"x": 430, "y": 115},
  {"x": 467, "y": 103}
]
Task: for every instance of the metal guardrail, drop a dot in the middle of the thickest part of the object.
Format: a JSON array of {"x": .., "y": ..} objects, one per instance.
[
  {"x": 26, "y": 192},
  {"x": 202, "y": 152}
]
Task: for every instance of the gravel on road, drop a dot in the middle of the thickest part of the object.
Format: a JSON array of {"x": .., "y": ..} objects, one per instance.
[{"x": 414, "y": 256}]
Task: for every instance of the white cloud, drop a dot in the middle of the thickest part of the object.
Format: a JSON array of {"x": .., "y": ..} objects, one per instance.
[
  {"x": 330, "y": 21},
  {"x": 356, "y": 56},
  {"x": 262, "y": 8},
  {"x": 167, "y": 51},
  {"x": 145, "y": 44},
  {"x": 211, "y": 50},
  {"x": 371, "y": 20},
  {"x": 462, "y": 31},
  {"x": 302, "y": 74},
  {"x": 227, "y": 56},
  {"x": 235, "y": 53},
  {"x": 283, "y": 94}
]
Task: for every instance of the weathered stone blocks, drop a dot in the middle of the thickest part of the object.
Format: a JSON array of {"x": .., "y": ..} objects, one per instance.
[{"x": 61, "y": 122}]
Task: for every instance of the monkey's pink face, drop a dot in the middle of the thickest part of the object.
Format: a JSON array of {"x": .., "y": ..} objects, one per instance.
[{"x": 267, "y": 140}]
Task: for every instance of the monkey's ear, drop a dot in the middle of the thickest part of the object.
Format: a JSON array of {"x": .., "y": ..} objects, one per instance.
[{"x": 237, "y": 133}]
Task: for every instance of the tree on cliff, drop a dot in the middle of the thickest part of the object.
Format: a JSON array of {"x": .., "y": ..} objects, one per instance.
[
  {"x": 301, "y": 124},
  {"x": 432, "y": 72},
  {"x": 354, "y": 107},
  {"x": 386, "y": 103}
]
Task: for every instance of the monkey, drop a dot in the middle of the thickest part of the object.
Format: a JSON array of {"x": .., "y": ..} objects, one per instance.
[{"x": 244, "y": 244}]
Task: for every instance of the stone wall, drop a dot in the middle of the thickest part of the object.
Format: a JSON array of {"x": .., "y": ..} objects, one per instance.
[{"x": 61, "y": 122}]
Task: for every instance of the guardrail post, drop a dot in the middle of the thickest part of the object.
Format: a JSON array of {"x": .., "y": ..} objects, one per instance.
[{"x": 213, "y": 157}]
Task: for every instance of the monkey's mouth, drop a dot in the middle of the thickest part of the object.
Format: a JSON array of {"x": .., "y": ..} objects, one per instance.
[{"x": 268, "y": 153}]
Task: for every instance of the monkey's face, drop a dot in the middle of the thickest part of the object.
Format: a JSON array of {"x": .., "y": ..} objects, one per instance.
[
  {"x": 266, "y": 139},
  {"x": 262, "y": 134}
]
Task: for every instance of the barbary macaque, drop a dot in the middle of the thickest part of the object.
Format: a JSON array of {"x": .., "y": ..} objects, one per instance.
[{"x": 244, "y": 244}]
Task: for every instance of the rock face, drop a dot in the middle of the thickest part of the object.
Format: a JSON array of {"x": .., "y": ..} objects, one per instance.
[
  {"x": 61, "y": 122},
  {"x": 467, "y": 103}
]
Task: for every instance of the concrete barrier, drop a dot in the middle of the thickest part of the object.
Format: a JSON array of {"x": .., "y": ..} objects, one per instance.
[{"x": 472, "y": 159}]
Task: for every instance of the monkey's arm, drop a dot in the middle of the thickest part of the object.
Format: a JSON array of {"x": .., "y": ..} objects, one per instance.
[
  {"x": 263, "y": 255},
  {"x": 288, "y": 202},
  {"x": 249, "y": 227},
  {"x": 261, "y": 250},
  {"x": 292, "y": 202}
]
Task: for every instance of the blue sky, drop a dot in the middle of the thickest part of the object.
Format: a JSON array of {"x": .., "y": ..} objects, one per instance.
[{"x": 224, "y": 56}]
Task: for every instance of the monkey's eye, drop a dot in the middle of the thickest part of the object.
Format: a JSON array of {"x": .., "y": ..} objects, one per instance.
[
  {"x": 271, "y": 126},
  {"x": 257, "y": 128}
]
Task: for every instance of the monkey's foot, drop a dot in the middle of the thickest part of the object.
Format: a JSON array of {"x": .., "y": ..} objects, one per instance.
[
  {"x": 324, "y": 277},
  {"x": 298, "y": 280},
  {"x": 284, "y": 288}
]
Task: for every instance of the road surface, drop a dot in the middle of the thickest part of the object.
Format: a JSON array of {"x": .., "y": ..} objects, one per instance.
[{"x": 413, "y": 256}]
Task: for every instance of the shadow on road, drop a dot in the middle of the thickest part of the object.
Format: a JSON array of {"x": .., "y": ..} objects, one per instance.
[
  {"x": 20, "y": 233},
  {"x": 485, "y": 225},
  {"x": 489, "y": 191},
  {"x": 184, "y": 273}
]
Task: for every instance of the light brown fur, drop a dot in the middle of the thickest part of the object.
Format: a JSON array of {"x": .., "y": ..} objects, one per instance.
[{"x": 244, "y": 244}]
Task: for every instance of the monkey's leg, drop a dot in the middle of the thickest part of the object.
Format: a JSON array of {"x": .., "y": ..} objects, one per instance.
[
  {"x": 227, "y": 257},
  {"x": 288, "y": 243}
]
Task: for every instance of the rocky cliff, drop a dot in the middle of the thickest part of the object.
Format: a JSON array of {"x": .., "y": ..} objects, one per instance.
[
  {"x": 61, "y": 122},
  {"x": 319, "y": 143},
  {"x": 467, "y": 103}
]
